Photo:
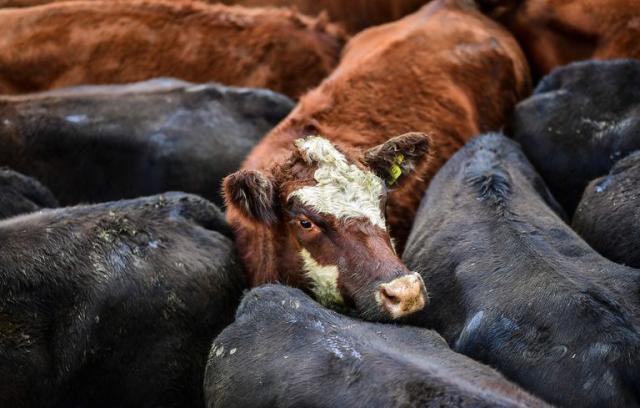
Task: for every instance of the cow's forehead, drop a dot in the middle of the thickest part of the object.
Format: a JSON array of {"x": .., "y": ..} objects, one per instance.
[{"x": 342, "y": 189}]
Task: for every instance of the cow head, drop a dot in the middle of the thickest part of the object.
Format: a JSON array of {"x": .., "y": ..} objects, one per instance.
[{"x": 317, "y": 221}]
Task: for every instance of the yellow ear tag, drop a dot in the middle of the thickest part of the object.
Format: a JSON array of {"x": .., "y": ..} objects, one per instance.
[{"x": 395, "y": 170}]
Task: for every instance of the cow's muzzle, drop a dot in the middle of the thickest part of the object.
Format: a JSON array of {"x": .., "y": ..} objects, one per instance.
[{"x": 402, "y": 296}]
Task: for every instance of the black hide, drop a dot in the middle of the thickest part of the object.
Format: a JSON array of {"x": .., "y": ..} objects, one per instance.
[
  {"x": 20, "y": 194},
  {"x": 285, "y": 350},
  {"x": 608, "y": 216},
  {"x": 113, "y": 305},
  {"x": 100, "y": 143},
  {"x": 580, "y": 120},
  {"x": 511, "y": 285}
]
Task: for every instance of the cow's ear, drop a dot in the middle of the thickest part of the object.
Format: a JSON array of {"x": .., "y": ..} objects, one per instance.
[
  {"x": 398, "y": 156},
  {"x": 252, "y": 193}
]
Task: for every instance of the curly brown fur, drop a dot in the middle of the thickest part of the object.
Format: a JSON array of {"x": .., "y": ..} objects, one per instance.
[{"x": 125, "y": 41}]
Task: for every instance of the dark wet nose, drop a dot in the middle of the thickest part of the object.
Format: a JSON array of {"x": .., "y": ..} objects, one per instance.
[{"x": 402, "y": 296}]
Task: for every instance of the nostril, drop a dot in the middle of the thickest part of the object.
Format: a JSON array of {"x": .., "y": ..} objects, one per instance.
[
  {"x": 402, "y": 296},
  {"x": 389, "y": 297}
]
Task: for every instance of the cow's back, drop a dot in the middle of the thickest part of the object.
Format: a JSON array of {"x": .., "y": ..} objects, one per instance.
[
  {"x": 72, "y": 43},
  {"x": 281, "y": 334},
  {"x": 580, "y": 120},
  {"x": 107, "y": 142},
  {"x": 355, "y": 15},
  {"x": 608, "y": 215},
  {"x": 113, "y": 304},
  {"x": 556, "y": 32},
  {"x": 20, "y": 194},
  {"x": 512, "y": 286}
]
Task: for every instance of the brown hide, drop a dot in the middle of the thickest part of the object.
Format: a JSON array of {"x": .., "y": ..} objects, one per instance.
[
  {"x": 445, "y": 70},
  {"x": 25, "y": 3},
  {"x": 556, "y": 32},
  {"x": 355, "y": 15},
  {"x": 99, "y": 42}
]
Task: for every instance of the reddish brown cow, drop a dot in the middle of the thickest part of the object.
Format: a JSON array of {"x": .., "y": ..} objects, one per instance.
[
  {"x": 353, "y": 14},
  {"x": 310, "y": 211},
  {"x": 65, "y": 44},
  {"x": 557, "y": 32}
]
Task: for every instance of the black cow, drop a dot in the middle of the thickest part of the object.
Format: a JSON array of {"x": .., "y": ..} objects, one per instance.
[
  {"x": 285, "y": 350},
  {"x": 580, "y": 120},
  {"x": 513, "y": 286},
  {"x": 608, "y": 216},
  {"x": 20, "y": 194},
  {"x": 114, "y": 304},
  {"x": 101, "y": 143}
]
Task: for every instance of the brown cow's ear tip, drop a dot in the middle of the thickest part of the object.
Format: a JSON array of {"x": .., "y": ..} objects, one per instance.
[
  {"x": 398, "y": 156},
  {"x": 252, "y": 193},
  {"x": 415, "y": 143}
]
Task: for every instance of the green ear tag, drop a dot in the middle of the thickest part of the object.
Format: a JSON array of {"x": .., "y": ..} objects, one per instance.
[{"x": 395, "y": 170}]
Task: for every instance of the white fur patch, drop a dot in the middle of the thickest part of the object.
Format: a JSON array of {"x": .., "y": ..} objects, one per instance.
[
  {"x": 342, "y": 189},
  {"x": 324, "y": 278}
]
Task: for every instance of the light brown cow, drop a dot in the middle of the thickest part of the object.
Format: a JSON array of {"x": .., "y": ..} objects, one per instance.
[
  {"x": 98, "y": 42},
  {"x": 310, "y": 210},
  {"x": 353, "y": 14},
  {"x": 557, "y": 32}
]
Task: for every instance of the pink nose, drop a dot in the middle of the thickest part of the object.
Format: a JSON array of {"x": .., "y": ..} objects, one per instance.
[{"x": 402, "y": 296}]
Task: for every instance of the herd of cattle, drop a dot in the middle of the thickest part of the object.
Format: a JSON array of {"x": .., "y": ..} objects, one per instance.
[{"x": 420, "y": 225}]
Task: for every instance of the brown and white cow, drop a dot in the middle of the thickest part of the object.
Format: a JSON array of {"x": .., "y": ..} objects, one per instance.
[
  {"x": 310, "y": 205},
  {"x": 557, "y": 32},
  {"x": 98, "y": 42}
]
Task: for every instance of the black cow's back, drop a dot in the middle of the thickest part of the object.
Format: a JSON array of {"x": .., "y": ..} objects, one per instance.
[
  {"x": 101, "y": 143},
  {"x": 20, "y": 194},
  {"x": 113, "y": 304},
  {"x": 513, "y": 286},
  {"x": 285, "y": 350},
  {"x": 580, "y": 120},
  {"x": 608, "y": 216}
]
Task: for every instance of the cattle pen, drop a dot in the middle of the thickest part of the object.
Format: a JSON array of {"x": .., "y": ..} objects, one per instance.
[{"x": 319, "y": 203}]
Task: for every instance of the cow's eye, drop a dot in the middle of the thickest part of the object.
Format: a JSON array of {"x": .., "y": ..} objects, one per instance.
[{"x": 306, "y": 224}]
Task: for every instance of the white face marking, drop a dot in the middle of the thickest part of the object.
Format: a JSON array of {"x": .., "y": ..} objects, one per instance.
[
  {"x": 324, "y": 278},
  {"x": 342, "y": 190}
]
